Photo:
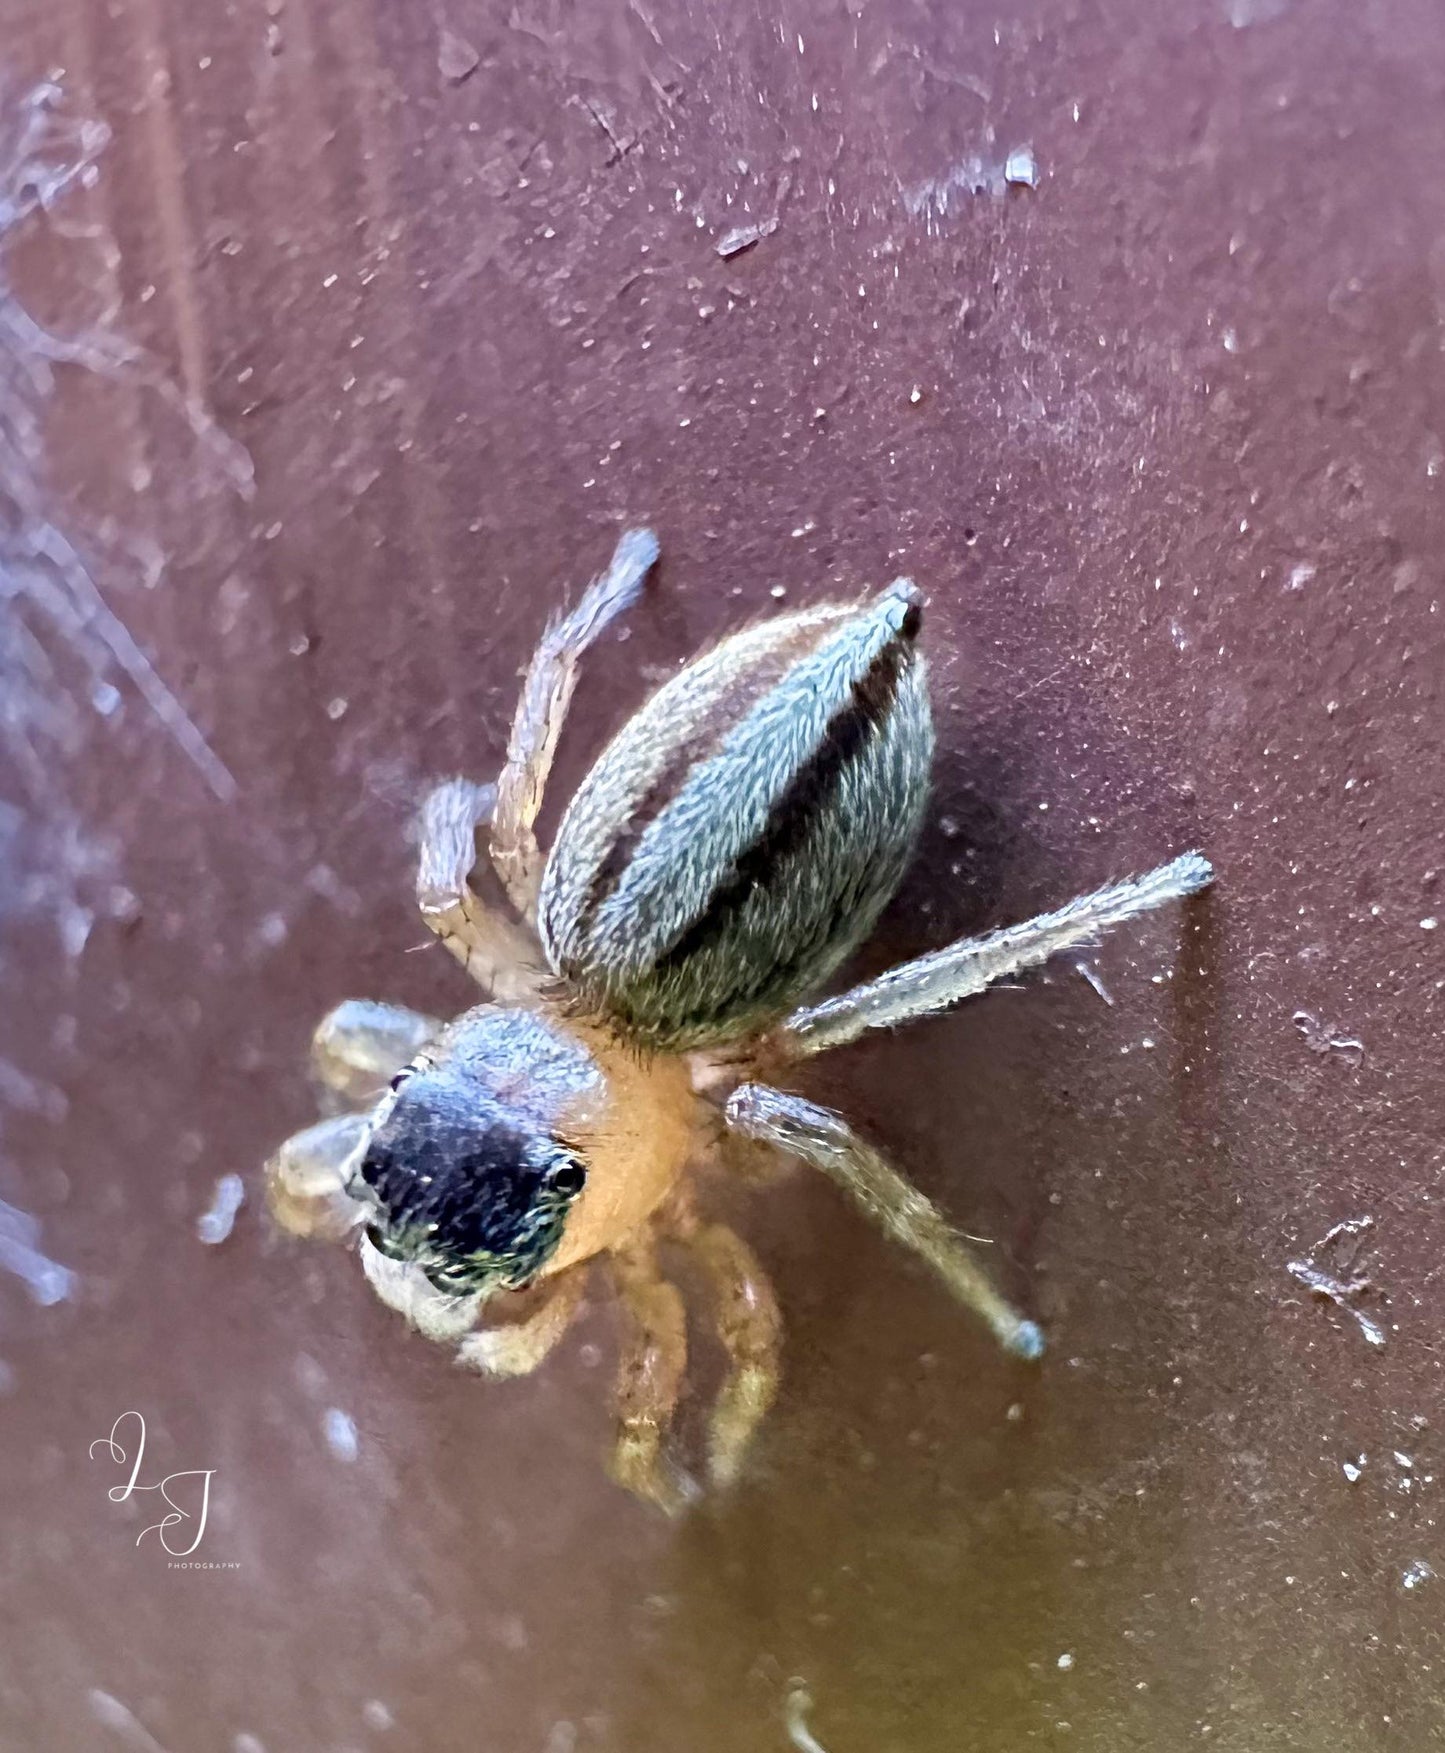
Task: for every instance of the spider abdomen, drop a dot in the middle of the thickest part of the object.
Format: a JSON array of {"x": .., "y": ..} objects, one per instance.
[{"x": 740, "y": 835}]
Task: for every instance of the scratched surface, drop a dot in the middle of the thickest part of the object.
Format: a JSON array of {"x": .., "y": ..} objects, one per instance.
[{"x": 336, "y": 342}]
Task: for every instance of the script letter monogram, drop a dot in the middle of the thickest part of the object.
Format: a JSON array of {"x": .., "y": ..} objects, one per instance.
[{"x": 176, "y": 1515}]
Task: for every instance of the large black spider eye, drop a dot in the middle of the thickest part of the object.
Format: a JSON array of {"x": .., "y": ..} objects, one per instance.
[
  {"x": 567, "y": 1177},
  {"x": 383, "y": 1243}
]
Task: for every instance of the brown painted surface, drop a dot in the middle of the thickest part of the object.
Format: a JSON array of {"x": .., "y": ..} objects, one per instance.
[{"x": 379, "y": 319}]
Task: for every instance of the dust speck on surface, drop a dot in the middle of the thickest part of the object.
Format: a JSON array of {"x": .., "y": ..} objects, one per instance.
[
  {"x": 1021, "y": 168},
  {"x": 214, "y": 1225},
  {"x": 341, "y": 1438},
  {"x": 1333, "y": 1274},
  {"x": 1321, "y": 1037},
  {"x": 743, "y": 237},
  {"x": 457, "y": 60},
  {"x": 1243, "y": 13}
]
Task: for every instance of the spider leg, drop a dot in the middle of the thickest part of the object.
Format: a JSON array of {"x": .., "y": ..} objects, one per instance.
[
  {"x": 360, "y": 1045},
  {"x": 516, "y": 1348},
  {"x": 749, "y": 1326},
  {"x": 825, "y": 1140},
  {"x": 306, "y": 1183},
  {"x": 654, "y": 1358},
  {"x": 546, "y": 694},
  {"x": 493, "y": 949},
  {"x": 974, "y": 963}
]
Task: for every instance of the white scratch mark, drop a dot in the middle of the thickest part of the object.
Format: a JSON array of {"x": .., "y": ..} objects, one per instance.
[
  {"x": 44, "y": 158},
  {"x": 1091, "y": 975},
  {"x": 110, "y": 1713},
  {"x": 20, "y": 1253},
  {"x": 795, "y": 1711},
  {"x": 29, "y": 1094},
  {"x": 88, "y": 612}
]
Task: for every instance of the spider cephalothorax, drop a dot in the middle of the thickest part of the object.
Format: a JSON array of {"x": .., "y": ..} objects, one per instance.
[
  {"x": 732, "y": 845},
  {"x": 461, "y": 1168}
]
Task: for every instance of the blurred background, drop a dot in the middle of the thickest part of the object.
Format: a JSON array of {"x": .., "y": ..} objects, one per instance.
[{"x": 337, "y": 342}]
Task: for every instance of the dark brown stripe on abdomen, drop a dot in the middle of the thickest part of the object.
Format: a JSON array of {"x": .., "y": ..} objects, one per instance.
[
  {"x": 727, "y": 712},
  {"x": 798, "y": 808}
]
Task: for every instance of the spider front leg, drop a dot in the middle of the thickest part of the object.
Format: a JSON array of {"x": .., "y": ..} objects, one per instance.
[
  {"x": 824, "y": 1139},
  {"x": 975, "y": 963},
  {"x": 749, "y": 1327},
  {"x": 654, "y": 1359},
  {"x": 495, "y": 951},
  {"x": 360, "y": 1046},
  {"x": 546, "y": 694},
  {"x": 356, "y": 1050},
  {"x": 516, "y": 1348},
  {"x": 306, "y": 1180}
]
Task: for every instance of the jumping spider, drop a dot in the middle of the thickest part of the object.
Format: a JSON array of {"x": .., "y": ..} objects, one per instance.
[{"x": 734, "y": 843}]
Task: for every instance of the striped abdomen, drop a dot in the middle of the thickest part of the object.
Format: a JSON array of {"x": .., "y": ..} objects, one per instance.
[{"x": 740, "y": 835}]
